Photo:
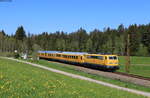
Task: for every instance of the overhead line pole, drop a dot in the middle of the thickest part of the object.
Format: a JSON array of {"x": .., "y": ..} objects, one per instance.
[{"x": 127, "y": 66}]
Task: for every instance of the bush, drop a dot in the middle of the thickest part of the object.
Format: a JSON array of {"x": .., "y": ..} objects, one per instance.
[{"x": 16, "y": 55}]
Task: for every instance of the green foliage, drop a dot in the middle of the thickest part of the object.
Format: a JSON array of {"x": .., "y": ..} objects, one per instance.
[
  {"x": 36, "y": 48},
  {"x": 20, "y": 33},
  {"x": 16, "y": 55},
  {"x": 2, "y": 34},
  {"x": 142, "y": 51},
  {"x": 89, "y": 45},
  {"x": 109, "y": 40}
]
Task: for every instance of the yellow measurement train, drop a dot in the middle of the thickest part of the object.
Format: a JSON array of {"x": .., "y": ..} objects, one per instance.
[{"x": 98, "y": 61}]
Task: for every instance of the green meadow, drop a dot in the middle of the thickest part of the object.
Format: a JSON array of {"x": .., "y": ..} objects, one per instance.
[
  {"x": 18, "y": 80},
  {"x": 71, "y": 69},
  {"x": 139, "y": 65}
]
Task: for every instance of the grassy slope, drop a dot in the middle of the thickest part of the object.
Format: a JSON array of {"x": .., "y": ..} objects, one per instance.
[
  {"x": 71, "y": 69},
  {"x": 22, "y": 80},
  {"x": 139, "y": 65}
]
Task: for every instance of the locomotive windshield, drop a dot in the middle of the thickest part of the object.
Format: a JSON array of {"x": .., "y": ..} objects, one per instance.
[{"x": 112, "y": 57}]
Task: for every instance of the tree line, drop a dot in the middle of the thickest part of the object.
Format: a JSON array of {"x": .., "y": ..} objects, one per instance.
[{"x": 113, "y": 41}]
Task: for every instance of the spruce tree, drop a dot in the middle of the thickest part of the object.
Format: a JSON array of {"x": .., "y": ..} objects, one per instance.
[{"x": 20, "y": 33}]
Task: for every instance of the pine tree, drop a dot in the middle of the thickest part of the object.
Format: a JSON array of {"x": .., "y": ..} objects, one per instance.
[{"x": 20, "y": 33}]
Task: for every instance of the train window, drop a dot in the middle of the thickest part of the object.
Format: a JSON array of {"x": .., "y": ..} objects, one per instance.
[
  {"x": 95, "y": 57},
  {"x": 112, "y": 57},
  {"x": 58, "y": 55},
  {"x": 91, "y": 57},
  {"x": 115, "y": 57},
  {"x": 100, "y": 57},
  {"x": 88, "y": 57}
]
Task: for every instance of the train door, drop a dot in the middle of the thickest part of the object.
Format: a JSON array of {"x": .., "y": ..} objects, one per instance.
[
  {"x": 105, "y": 60},
  {"x": 82, "y": 59}
]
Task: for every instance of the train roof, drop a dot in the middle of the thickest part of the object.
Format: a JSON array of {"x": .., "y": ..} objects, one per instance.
[
  {"x": 75, "y": 53},
  {"x": 48, "y": 51}
]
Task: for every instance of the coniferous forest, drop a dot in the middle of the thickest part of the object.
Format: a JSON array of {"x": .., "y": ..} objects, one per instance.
[{"x": 109, "y": 40}]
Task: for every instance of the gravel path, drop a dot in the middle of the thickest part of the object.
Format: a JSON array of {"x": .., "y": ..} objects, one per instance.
[{"x": 84, "y": 78}]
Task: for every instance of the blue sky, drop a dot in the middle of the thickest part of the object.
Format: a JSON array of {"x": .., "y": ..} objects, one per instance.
[{"x": 69, "y": 15}]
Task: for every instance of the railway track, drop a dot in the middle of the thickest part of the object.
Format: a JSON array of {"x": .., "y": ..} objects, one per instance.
[
  {"x": 132, "y": 75},
  {"x": 135, "y": 79}
]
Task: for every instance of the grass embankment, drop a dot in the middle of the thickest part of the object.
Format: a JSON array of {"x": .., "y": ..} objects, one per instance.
[
  {"x": 139, "y": 65},
  {"x": 71, "y": 69},
  {"x": 22, "y": 80}
]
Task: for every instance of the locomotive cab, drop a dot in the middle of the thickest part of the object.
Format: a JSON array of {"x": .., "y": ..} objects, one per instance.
[{"x": 111, "y": 61}]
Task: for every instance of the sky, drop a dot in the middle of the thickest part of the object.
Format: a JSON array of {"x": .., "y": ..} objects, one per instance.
[{"x": 37, "y": 16}]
